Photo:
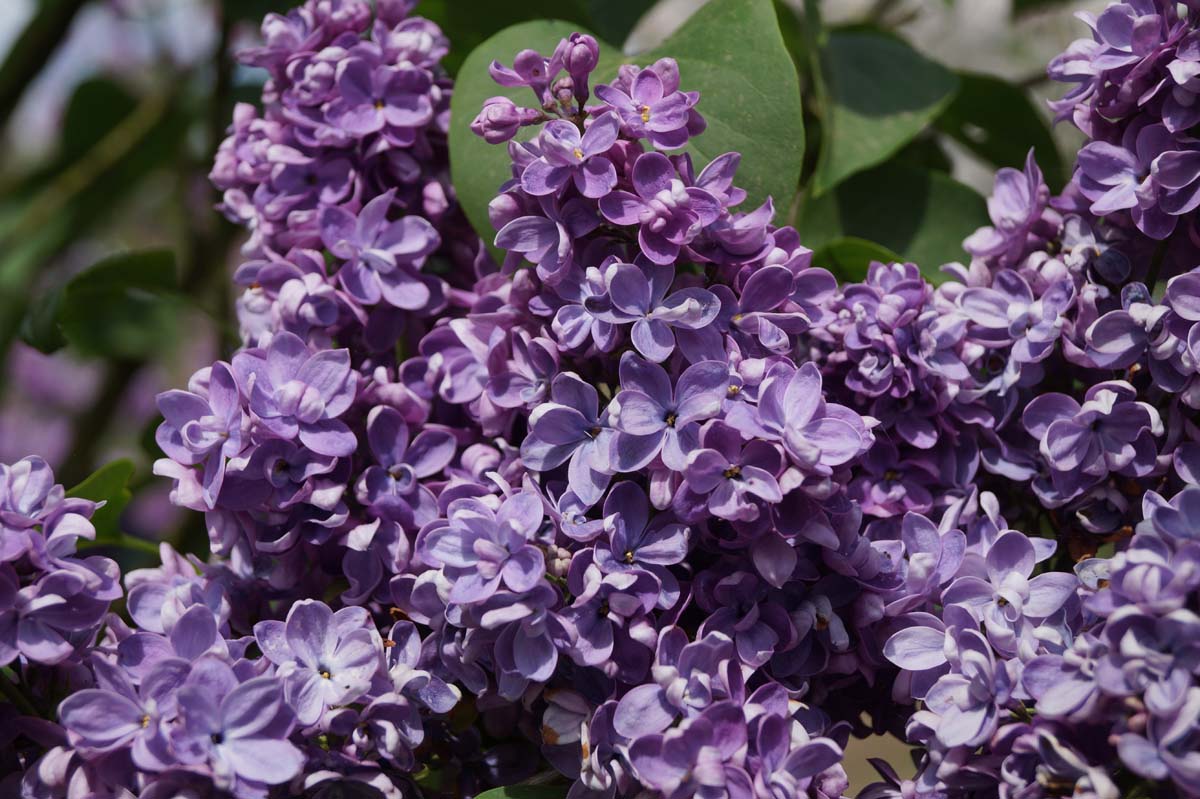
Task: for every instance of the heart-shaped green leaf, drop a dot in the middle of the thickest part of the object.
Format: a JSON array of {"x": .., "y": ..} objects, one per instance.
[{"x": 881, "y": 94}]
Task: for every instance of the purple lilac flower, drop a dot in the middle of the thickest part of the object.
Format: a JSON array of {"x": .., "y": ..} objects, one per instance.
[
  {"x": 382, "y": 257},
  {"x": 650, "y": 105},
  {"x": 571, "y": 427},
  {"x": 298, "y": 393},
  {"x": 393, "y": 487},
  {"x": 485, "y": 549},
  {"x": 669, "y": 214},
  {"x": 325, "y": 658},
  {"x": 204, "y": 429},
  {"x": 569, "y": 156},
  {"x": 655, "y": 419},
  {"x": 236, "y": 731}
]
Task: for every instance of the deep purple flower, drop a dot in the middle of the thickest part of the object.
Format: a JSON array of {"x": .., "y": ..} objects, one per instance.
[
  {"x": 637, "y": 541},
  {"x": 968, "y": 702},
  {"x": 116, "y": 715},
  {"x": 237, "y": 731},
  {"x": 652, "y": 108},
  {"x": 500, "y": 119},
  {"x": 372, "y": 98},
  {"x": 1015, "y": 206},
  {"x": 548, "y": 239},
  {"x": 1118, "y": 178},
  {"x": 792, "y": 409},
  {"x": 735, "y": 477},
  {"x": 1008, "y": 310},
  {"x": 1110, "y": 432},
  {"x": 639, "y": 295},
  {"x": 325, "y": 658},
  {"x": 700, "y": 758},
  {"x": 571, "y": 427},
  {"x": 688, "y": 678},
  {"x": 1009, "y": 596}
]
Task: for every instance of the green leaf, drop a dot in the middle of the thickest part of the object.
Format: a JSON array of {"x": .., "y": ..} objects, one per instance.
[
  {"x": 881, "y": 94},
  {"x": 920, "y": 215},
  {"x": 750, "y": 94},
  {"x": 849, "y": 257},
  {"x": 750, "y": 97},
  {"x": 124, "y": 306},
  {"x": 525, "y": 792},
  {"x": 998, "y": 122},
  {"x": 108, "y": 484},
  {"x": 614, "y": 19}
]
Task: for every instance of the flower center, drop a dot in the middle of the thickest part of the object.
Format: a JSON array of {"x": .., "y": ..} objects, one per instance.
[
  {"x": 217, "y": 738},
  {"x": 629, "y": 556},
  {"x": 579, "y": 153},
  {"x": 645, "y": 113},
  {"x": 145, "y": 721},
  {"x": 733, "y": 472},
  {"x": 670, "y": 418}
]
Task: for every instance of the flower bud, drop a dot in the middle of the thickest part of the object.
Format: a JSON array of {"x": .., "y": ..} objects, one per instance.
[{"x": 498, "y": 121}]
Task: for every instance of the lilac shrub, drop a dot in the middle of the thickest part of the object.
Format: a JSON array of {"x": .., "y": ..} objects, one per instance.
[{"x": 654, "y": 505}]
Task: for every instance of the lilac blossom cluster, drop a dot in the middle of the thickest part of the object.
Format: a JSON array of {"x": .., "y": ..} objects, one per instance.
[
  {"x": 347, "y": 156},
  {"x": 655, "y": 501},
  {"x": 1135, "y": 87}
]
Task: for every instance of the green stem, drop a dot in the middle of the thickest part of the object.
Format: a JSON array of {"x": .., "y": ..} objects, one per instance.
[
  {"x": 1160, "y": 255},
  {"x": 12, "y": 692}
]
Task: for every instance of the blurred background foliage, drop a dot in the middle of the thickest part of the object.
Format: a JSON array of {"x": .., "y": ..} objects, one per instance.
[{"x": 114, "y": 267}]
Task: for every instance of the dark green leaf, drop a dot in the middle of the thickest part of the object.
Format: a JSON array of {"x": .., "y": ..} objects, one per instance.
[
  {"x": 108, "y": 484},
  {"x": 524, "y": 792},
  {"x": 922, "y": 216},
  {"x": 882, "y": 93},
  {"x": 927, "y": 153},
  {"x": 749, "y": 94},
  {"x": 849, "y": 257},
  {"x": 750, "y": 97},
  {"x": 793, "y": 34},
  {"x": 997, "y": 121},
  {"x": 614, "y": 19},
  {"x": 124, "y": 306},
  {"x": 39, "y": 328},
  {"x": 255, "y": 10},
  {"x": 97, "y": 106}
]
